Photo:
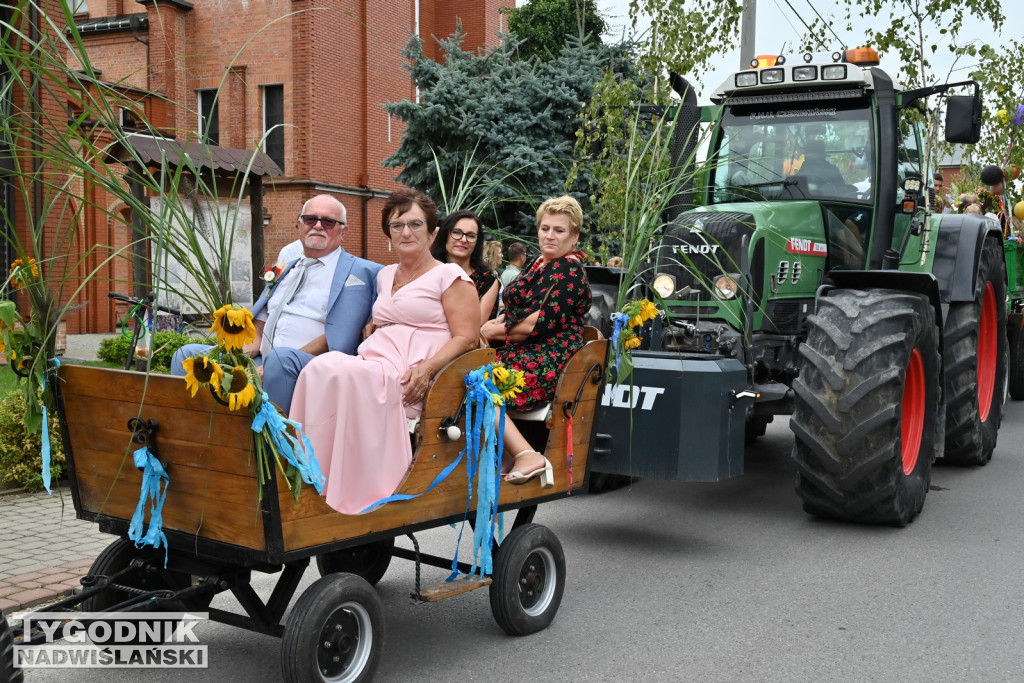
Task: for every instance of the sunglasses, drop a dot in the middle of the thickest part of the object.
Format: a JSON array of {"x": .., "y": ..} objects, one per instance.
[{"x": 310, "y": 221}]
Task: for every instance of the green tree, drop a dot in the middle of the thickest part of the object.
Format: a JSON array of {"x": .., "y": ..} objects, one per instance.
[
  {"x": 544, "y": 25},
  {"x": 688, "y": 35},
  {"x": 505, "y": 126},
  {"x": 607, "y": 147},
  {"x": 1002, "y": 87}
]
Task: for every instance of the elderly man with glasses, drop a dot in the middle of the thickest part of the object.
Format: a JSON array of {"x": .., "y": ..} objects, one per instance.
[{"x": 318, "y": 303}]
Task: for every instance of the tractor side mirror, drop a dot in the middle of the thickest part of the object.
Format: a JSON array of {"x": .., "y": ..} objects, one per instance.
[{"x": 963, "y": 119}]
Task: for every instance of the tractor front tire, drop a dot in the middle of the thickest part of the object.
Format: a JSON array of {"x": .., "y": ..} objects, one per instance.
[
  {"x": 974, "y": 353},
  {"x": 867, "y": 419}
]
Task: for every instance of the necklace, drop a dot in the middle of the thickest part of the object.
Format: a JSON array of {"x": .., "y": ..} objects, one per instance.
[{"x": 397, "y": 286}]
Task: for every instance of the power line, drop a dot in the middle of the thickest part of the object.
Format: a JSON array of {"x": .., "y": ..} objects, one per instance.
[
  {"x": 784, "y": 16},
  {"x": 809, "y": 31},
  {"x": 826, "y": 24}
]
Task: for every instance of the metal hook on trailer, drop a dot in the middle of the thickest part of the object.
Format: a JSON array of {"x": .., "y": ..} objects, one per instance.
[{"x": 595, "y": 375}]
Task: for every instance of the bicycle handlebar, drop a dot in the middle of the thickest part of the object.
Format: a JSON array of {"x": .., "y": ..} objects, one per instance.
[{"x": 148, "y": 302}]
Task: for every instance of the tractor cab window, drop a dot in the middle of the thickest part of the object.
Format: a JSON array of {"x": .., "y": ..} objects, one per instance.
[
  {"x": 791, "y": 151},
  {"x": 908, "y": 156}
]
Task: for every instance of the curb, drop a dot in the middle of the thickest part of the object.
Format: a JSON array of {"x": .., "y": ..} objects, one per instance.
[{"x": 27, "y": 590}]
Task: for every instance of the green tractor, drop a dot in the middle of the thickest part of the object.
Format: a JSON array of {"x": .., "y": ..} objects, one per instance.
[{"x": 805, "y": 274}]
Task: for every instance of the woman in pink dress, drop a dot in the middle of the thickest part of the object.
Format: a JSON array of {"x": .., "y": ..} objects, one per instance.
[{"x": 354, "y": 408}]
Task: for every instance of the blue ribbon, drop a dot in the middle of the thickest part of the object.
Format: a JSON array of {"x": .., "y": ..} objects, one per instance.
[
  {"x": 483, "y": 444},
  {"x": 620, "y": 320},
  {"x": 153, "y": 473},
  {"x": 44, "y": 438},
  {"x": 289, "y": 447}
]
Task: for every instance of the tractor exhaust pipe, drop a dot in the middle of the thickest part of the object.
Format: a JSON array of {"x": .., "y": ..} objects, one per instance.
[{"x": 684, "y": 146}]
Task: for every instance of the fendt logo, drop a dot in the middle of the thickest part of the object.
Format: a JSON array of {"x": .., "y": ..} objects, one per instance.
[
  {"x": 620, "y": 396},
  {"x": 800, "y": 245},
  {"x": 697, "y": 248}
]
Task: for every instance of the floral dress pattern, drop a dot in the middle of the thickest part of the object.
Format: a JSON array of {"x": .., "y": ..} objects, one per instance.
[
  {"x": 561, "y": 290},
  {"x": 483, "y": 280}
]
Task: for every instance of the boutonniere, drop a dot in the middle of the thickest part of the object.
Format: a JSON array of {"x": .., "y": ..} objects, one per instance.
[{"x": 272, "y": 275}]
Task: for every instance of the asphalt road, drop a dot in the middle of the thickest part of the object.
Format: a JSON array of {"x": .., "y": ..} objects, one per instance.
[{"x": 719, "y": 582}]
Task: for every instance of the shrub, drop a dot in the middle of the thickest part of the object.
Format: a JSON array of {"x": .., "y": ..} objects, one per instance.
[
  {"x": 21, "y": 461},
  {"x": 115, "y": 349}
]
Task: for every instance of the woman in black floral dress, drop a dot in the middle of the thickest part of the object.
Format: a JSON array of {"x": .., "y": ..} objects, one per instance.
[
  {"x": 460, "y": 239},
  {"x": 542, "y": 326}
]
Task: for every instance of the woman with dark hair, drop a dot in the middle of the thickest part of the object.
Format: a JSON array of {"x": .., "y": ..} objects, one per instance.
[
  {"x": 460, "y": 240},
  {"x": 355, "y": 408}
]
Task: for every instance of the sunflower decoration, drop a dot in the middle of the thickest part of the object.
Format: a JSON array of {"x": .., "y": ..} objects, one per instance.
[
  {"x": 510, "y": 382},
  {"x": 627, "y": 335},
  {"x": 200, "y": 372},
  {"x": 23, "y": 273},
  {"x": 236, "y": 388},
  {"x": 234, "y": 326}
]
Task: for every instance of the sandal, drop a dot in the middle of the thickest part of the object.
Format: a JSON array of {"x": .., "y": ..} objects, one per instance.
[{"x": 547, "y": 475}]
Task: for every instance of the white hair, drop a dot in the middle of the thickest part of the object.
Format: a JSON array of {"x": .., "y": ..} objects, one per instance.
[{"x": 344, "y": 211}]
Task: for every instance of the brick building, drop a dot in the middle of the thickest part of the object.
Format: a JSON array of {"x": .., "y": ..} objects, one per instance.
[{"x": 231, "y": 70}]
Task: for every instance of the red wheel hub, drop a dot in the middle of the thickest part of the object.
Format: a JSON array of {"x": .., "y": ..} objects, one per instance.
[
  {"x": 988, "y": 351},
  {"x": 912, "y": 422}
]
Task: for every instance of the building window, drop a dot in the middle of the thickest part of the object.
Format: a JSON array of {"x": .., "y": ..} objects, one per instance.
[
  {"x": 79, "y": 7},
  {"x": 273, "y": 123},
  {"x": 209, "y": 117}
]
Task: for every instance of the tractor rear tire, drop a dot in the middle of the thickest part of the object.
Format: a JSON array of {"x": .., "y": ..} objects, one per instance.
[
  {"x": 8, "y": 672},
  {"x": 866, "y": 421},
  {"x": 974, "y": 348},
  {"x": 1015, "y": 369}
]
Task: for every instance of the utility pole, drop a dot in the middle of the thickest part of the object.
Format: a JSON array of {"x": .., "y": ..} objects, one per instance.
[{"x": 747, "y": 29}]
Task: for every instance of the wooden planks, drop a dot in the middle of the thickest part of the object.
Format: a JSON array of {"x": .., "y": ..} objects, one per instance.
[
  {"x": 453, "y": 588},
  {"x": 312, "y": 522},
  {"x": 208, "y": 453},
  {"x": 206, "y": 449}
]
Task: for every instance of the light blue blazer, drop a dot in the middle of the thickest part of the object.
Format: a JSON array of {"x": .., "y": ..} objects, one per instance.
[{"x": 353, "y": 291}]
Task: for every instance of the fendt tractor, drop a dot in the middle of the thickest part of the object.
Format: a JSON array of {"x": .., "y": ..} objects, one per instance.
[{"x": 804, "y": 273}]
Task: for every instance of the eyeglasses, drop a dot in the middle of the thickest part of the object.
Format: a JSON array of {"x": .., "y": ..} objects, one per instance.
[
  {"x": 310, "y": 221},
  {"x": 412, "y": 225},
  {"x": 458, "y": 235}
]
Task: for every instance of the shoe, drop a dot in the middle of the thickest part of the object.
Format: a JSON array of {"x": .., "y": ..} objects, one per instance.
[{"x": 547, "y": 474}]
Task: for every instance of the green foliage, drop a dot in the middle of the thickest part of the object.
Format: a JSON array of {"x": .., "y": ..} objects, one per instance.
[
  {"x": 508, "y": 123},
  {"x": 611, "y": 126},
  {"x": 115, "y": 349},
  {"x": 544, "y": 25},
  {"x": 1002, "y": 87},
  {"x": 20, "y": 456},
  {"x": 916, "y": 31},
  {"x": 687, "y": 35}
]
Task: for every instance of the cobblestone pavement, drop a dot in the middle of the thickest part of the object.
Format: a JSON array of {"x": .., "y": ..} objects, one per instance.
[{"x": 44, "y": 549}]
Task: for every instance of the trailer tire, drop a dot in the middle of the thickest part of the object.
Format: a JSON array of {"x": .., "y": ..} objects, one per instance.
[
  {"x": 8, "y": 673},
  {"x": 369, "y": 560},
  {"x": 974, "y": 353},
  {"x": 335, "y": 632},
  {"x": 528, "y": 580},
  {"x": 1015, "y": 368},
  {"x": 119, "y": 555},
  {"x": 867, "y": 417}
]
